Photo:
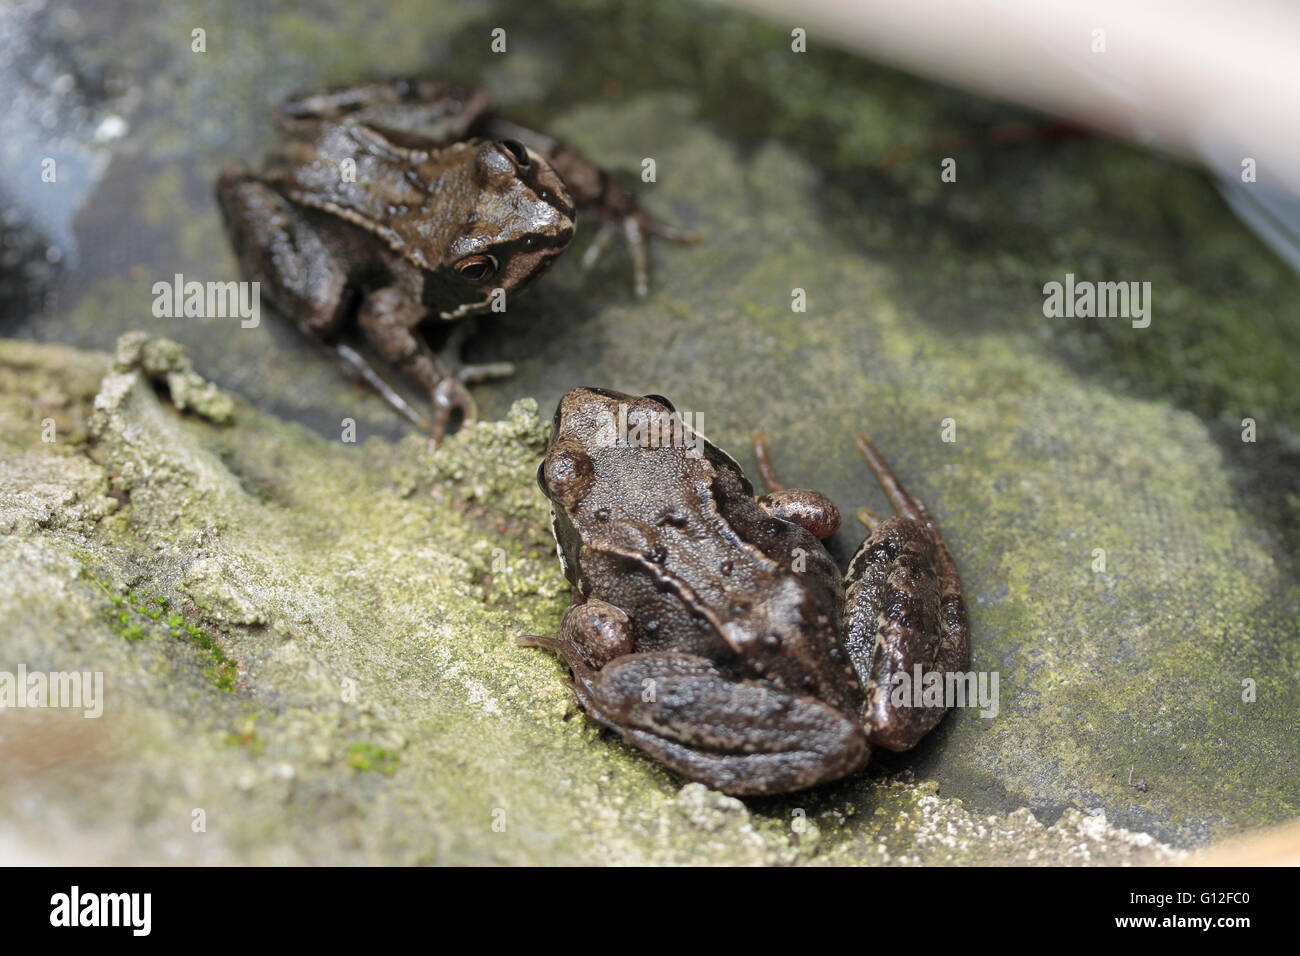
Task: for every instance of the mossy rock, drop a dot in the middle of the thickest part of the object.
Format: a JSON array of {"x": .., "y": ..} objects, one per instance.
[{"x": 1129, "y": 560}]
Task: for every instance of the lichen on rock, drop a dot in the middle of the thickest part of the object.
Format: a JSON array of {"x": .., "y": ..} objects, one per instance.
[
  {"x": 290, "y": 626},
  {"x": 164, "y": 362}
]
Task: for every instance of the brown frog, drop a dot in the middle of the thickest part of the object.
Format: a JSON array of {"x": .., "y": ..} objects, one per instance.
[
  {"x": 711, "y": 628},
  {"x": 399, "y": 201}
]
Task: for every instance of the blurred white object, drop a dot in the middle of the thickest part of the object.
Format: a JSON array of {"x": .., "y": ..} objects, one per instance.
[{"x": 1216, "y": 82}]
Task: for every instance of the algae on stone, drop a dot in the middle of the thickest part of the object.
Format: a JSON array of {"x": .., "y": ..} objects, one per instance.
[{"x": 375, "y": 707}]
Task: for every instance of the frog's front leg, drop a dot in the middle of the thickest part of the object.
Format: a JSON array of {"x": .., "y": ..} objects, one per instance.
[
  {"x": 739, "y": 736},
  {"x": 390, "y": 318},
  {"x": 592, "y": 187},
  {"x": 903, "y": 608}
]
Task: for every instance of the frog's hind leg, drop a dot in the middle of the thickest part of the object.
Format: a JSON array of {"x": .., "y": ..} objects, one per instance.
[
  {"x": 739, "y": 736},
  {"x": 808, "y": 509},
  {"x": 903, "y": 610},
  {"x": 742, "y": 737},
  {"x": 390, "y": 318},
  {"x": 307, "y": 284}
]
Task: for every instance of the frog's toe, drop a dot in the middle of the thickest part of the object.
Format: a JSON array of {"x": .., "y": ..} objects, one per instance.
[
  {"x": 450, "y": 357},
  {"x": 651, "y": 226},
  {"x": 600, "y": 245},
  {"x": 473, "y": 374},
  {"x": 538, "y": 640},
  {"x": 640, "y": 249},
  {"x": 637, "y": 227},
  {"x": 356, "y": 367},
  {"x": 449, "y": 399},
  {"x": 869, "y": 518}
]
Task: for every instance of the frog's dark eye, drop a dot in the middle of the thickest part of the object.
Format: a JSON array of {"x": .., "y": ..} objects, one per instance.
[
  {"x": 516, "y": 150},
  {"x": 662, "y": 401},
  {"x": 541, "y": 478},
  {"x": 477, "y": 268}
]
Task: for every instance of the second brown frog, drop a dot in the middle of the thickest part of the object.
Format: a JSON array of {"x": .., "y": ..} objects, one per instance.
[
  {"x": 711, "y": 628},
  {"x": 391, "y": 203}
]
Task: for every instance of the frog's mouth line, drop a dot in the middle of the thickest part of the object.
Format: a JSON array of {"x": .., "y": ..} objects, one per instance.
[{"x": 468, "y": 308}]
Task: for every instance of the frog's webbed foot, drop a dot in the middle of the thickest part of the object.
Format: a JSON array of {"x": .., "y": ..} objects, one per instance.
[
  {"x": 802, "y": 506},
  {"x": 450, "y": 396},
  {"x": 636, "y": 226},
  {"x": 904, "y": 609}
]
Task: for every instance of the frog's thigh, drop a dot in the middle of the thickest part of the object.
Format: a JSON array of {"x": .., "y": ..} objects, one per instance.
[
  {"x": 306, "y": 284},
  {"x": 893, "y": 623},
  {"x": 739, "y": 736},
  {"x": 808, "y": 509}
]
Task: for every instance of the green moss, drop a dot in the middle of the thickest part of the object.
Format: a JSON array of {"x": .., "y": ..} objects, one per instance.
[
  {"x": 134, "y": 617},
  {"x": 365, "y": 756},
  {"x": 223, "y": 671}
]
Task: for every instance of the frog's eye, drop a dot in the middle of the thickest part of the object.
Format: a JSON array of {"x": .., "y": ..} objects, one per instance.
[
  {"x": 662, "y": 401},
  {"x": 477, "y": 268},
  {"x": 541, "y": 479},
  {"x": 516, "y": 150}
]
